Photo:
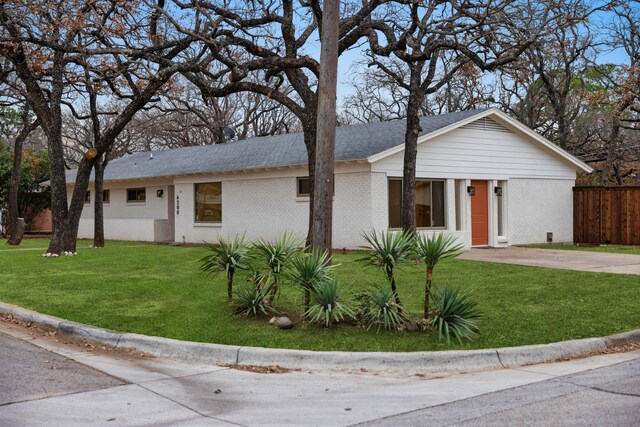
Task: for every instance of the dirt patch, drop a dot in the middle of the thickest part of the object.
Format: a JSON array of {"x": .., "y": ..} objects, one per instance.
[{"x": 271, "y": 369}]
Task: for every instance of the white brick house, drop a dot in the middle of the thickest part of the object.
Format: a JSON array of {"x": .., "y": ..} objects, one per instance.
[{"x": 482, "y": 176}]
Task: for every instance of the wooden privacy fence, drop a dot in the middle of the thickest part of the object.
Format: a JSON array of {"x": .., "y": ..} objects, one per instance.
[{"x": 606, "y": 215}]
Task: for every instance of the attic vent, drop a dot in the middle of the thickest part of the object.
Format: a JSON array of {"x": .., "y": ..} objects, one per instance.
[{"x": 487, "y": 124}]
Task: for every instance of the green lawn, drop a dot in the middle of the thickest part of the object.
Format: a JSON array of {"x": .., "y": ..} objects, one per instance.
[
  {"x": 615, "y": 249},
  {"x": 157, "y": 290}
]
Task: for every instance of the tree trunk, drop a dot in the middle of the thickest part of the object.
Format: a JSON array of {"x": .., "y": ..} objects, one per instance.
[
  {"x": 326, "y": 127},
  {"x": 18, "y": 232},
  {"x": 230, "y": 286},
  {"x": 427, "y": 292},
  {"x": 611, "y": 150},
  {"x": 13, "y": 209},
  {"x": 72, "y": 222},
  {"x": 310, "y": 143},
  {"x": 394, "y": 289},
  {"x": 416, "y": 97},
  {"x": 59, "y": 207},
  {"x": 98, "y": 208}
]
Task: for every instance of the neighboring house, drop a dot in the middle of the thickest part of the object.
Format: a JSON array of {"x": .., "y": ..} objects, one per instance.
[{"x": 481, "y": 176}]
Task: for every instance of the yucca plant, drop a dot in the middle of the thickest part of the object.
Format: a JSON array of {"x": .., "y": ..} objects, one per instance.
[
  {"x": 431, "y": 250},
  {"x": 387, "y": 251},
  {"x": 377, "y": 307},
  {"x": 227, "y": 256},
  {"x": 251, "y": 300},
  {"x": 327, "y": 307},
  {"x": 308, "y": 269},
  {"x": 276, "y": 255},
  {"x": 454, "y": 314}
]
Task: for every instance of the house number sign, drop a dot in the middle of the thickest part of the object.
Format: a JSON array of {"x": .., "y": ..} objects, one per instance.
[{"x": 177, "y": 205}]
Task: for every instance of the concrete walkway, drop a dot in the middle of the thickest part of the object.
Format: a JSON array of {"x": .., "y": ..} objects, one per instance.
[
  {"x": 131, "y": 391},
  {"x": 598, "y": 262}
]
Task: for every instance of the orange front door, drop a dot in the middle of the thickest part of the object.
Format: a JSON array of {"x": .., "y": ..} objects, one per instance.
[{"x": 480, "y": 214}]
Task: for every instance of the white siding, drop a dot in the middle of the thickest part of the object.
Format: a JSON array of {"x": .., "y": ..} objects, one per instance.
[
  {"x": 538, "y": 206},
  {"x": 473, "y": 153},
  {"x": 127, "y": 221}
]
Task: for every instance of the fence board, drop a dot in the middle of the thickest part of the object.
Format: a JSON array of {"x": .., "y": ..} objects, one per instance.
[{"x": 606, "y": 215}]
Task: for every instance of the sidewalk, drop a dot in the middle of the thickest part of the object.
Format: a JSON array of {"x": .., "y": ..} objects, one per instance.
[{"x": 157, "y": 391}]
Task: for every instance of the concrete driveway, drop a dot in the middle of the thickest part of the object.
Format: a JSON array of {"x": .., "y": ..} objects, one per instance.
[{"x": 599, "y": 262}]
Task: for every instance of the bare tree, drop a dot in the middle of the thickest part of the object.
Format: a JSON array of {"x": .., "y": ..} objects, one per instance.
[{"x": 409, "y": 42}]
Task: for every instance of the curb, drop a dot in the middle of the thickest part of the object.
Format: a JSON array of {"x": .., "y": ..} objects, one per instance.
[{"x": 454, "y": 361}]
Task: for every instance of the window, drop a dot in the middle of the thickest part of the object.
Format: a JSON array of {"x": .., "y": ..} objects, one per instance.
[
  {"x": 87, "y": 198},
  {"x": 208, "y": 202},
  {"x": 430, "y": 197},
  {"x": 136, "y": 195},
  {"x": 106, "y": 194},
  {"x": 303, "y": 186}
]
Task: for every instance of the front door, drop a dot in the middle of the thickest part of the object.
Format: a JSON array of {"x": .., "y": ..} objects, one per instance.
[{"x": 480, "y": 214}]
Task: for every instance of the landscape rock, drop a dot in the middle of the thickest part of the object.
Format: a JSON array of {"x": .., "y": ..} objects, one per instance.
[
  {"x": 284, "y": 323},
  {"x": 411, "y": 327}
]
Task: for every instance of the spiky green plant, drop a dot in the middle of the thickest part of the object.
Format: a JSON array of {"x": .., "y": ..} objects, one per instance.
[
  {"x": 308, "y": 269},
  {"x": 387, "y": 251},
  {"x": 431, "y": 250},
  {"x": 251, "y": 299},
  {"x": 454, "y": 314},
  {"x": 327, "y": 307},
  {"x": 275, "y": 256},
  {"x": 227, "y": 256},
  {"x": 377, "y": 307}
]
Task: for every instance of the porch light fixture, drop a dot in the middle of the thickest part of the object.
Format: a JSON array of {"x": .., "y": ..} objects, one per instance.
[
  {"x": 498, "y": 191},
  {"x": 159, "y": 193},
  {"x": 471, "y": 190}
]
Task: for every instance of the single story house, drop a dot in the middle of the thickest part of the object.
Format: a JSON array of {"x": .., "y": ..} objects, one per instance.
[{"x": 481, "y": 175}]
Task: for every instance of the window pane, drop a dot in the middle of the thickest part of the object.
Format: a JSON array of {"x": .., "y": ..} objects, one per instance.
[
  {"x": 423, "y": 204},
  {"x": 136, "y": 195},
  {"x": 437, "y": 208},
  {"x": 395, "y": 203},
  {"x": 304, "y": 186},
  {"x": 87, "y": 197},
  {"x": 208, "y": 199},
  {"x": 105, "y": 196}
]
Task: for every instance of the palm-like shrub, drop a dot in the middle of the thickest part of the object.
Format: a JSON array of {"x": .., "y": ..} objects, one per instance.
[
  {"x": 377, "y": 307},
  {"x": 454, "y": 314},
  {"x": 309, "y": 269},
  {"x": 387, "y": 251},
  {"x": 227, "y": 256},
  {"x": 251, "y": 300},
  {"x": 431, "y": 250},
  {"x": 327, "y": 307},
  {"x": 275, "y": 256}
]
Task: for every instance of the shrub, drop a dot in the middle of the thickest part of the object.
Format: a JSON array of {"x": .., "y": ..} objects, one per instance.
[
  {"x": 431, "y": 250},
  {"x": 387, "y": 250},
  {"x": 377, "y": 307},
  {"x": 308, "y": 269},
  {"x": 251, "y": 300},
  {"x": 454, "y": 314},
  {"x": 327, "y": 307},
  {"x": 227, "y": 256},
  {"x": 275, "y": 256}
]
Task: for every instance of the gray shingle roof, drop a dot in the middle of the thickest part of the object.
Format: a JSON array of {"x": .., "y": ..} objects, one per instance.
[{"x": 353, "y": 142}]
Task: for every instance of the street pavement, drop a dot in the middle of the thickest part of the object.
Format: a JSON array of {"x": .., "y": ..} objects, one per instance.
[{"x": 45, "y": 382}]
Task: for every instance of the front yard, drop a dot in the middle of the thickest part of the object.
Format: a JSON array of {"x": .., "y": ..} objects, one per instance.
[{"x": 158, "y": 290}]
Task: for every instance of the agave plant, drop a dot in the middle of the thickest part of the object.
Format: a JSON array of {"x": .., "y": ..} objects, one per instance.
[
  {"x": 454, "y": 314},
  {"x": 276, "y": 255},
  {"x": 377, "y": 307},
  {"x": 308, "y": 269},
  {"x": 227, "y": 256},
  {"x": 387, "y": 251},
  {"x": 431, "y": 250},
  {"x": 327, "y": 307}
]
